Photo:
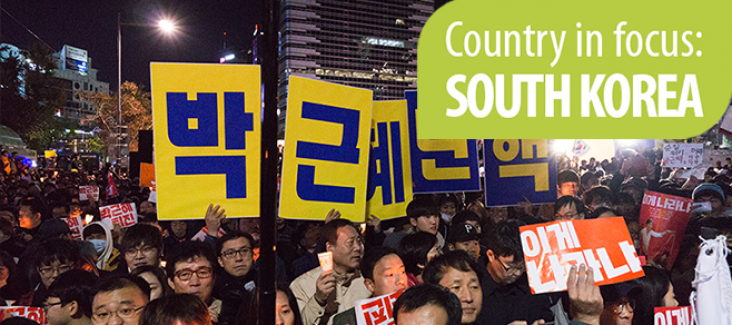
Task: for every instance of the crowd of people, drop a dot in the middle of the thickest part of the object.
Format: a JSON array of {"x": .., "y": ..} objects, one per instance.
[{"x": 457, "y": 261}]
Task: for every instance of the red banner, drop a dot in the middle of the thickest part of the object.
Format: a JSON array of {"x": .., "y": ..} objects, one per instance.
[
  {"x": 111, "y": 187},
  {"x": 75, "y": 225},
  {"x": 550, "y": 249},
  {"x": 123, "y": 214},
  {"x": 33, "y": 313},
  {"x": 377, "y": 311},
  {"x": 672, "y": 315},
  {"x": 663, "y": 220}
]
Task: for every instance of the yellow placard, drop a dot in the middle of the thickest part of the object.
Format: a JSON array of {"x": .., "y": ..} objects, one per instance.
[
  {"x": 49, "y": 153},
  {"x": 326, "y": 150},
  {"x": 207, "y": 138},
  {"x": 390, "y": 174}
]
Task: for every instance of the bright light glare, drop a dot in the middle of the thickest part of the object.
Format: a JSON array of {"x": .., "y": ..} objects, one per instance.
[
  {"x": 562, "y": 146},
  {"x": 166, "y": 26}
]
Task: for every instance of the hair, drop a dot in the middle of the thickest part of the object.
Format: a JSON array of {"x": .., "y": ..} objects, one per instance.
[
  {"x": 159, "y": 273},
  {"x": 74, "y": 285},
  {"x": 372, "y": 257},
  {"x": 566, "y": 176},
  {"x": 7, "y": 261},
  {"x": 330, "y": 230},
  {"x": 231, "y": 236},
  {"x": 465, "y": 215},
  {"x": 600, "y": 211},
  {"x": 505, "y": 239},
  {"x": 422, "y": 206},
  {"x": 18, "y": 321},
  {"x": 184, "y": 308},
  {"x": 57, "y": 249},
  {"x": 429, "y": 294},
  {"x": 93, "y": 229},
  {"x": 654, "y": 286},
  {"x": 457, "y": 259},
  {"x": 65, "y": 206},
  {"x": 254, "y": 310},
  {"x": 6, "y": 227},
  {"x": 414, "y": 249},
  {"x": 588, "y": 176},
  {"x": 443, "y": 199},
  {"x": 140, "y": 234},
  {"x": 35, "y": 204},
  {"x": 188, "y": 250},
  {"x": 567, "y": 201},
  {"x": 116, "y": 283},
  {"x": 624, "y": 198},
  {"x": 600, "y": 193}
]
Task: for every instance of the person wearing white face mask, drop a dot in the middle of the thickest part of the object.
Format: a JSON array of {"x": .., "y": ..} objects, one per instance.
[{"x": 100, "y": 236}]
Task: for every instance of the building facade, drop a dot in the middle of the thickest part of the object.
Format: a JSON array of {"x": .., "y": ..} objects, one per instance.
[
  {"x": 358, "y": 43},
  {"x": 77, "y": 76}
]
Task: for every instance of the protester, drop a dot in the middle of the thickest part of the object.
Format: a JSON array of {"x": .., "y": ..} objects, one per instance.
[
  {"x": 569, "y": 207},
  {"x": 655, "y": 290},
  {"x": 119, "y": 300},
  {"x": 427, "y": 304},
  {"x": 458, "y": 272},
  {"x": 156, "y": 279},
  {"x": 320, "y": 295},
  {"x": 464, "y": 237},
  {"x": 416, "y": 251},
  {"x": 568, "y": 183},
  {"x": 69, "y": 299},
  {"x": 176, "y": 309},
  {"x": 236, "y": 281},
  {"x": 190, "y": 270},
  {"x": 100, "y": 236},
  {"x": 141, "y": 245}
]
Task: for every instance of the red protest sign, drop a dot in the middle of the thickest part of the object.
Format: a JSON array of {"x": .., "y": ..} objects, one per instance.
[
  {"x": 672, "y": 315},
  {"x": 550, "y": 249},
  {"x": 377, "y": 311},
  {"x": 75, "y": 225},
  {"x": 85, "y": 192},
  {"x": 33, "y": 313},
  {"x": 123, "y": 214},
  {"x": 663, "y": 219}
]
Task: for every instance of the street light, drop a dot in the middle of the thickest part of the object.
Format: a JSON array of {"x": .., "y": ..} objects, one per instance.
[{"x": 164, "y": 25}]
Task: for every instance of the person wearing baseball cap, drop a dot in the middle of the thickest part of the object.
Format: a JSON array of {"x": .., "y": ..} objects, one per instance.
[
  {"x": 712, "y": 193},
  {"x": 466, "y": 238}
]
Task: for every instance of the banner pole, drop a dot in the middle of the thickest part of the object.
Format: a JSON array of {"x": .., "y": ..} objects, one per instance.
[{"x": 268, "y": 59}]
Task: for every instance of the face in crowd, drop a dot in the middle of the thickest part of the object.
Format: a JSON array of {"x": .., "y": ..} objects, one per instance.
[
  {"x": 284, "y": 314},
  {"x": 194, "y": 276},
  {"x": 179, "y": 227},
  {"x": 568, "y": 212},
  {"x": 568, "y": 188},
  {"x": 348, "y": 250},
  {"x": 425, "y": 224},
  {"x": 236, "y": 256},
  {"x": 448, "y": 208},
  {"x": 466, "y": 286},
  {"x": 27, "y": 218},
  {"x": 389, "y": 276},
  {"x": 49, "y": 273},
  {"x": 118, "y": 307},
  {"x": 504, "y": 269},
  {"x": 141, "y": 255}
]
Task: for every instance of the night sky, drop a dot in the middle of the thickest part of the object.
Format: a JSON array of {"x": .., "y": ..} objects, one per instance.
[{"x": 92, "y": 25}]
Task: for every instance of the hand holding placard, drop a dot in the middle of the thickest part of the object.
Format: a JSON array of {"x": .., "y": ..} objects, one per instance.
[
  {"x": 585, "y": 300},
  {"x": 324, "y": 286}
]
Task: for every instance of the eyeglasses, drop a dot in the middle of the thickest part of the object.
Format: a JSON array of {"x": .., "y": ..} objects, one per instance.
[
  {"x": 619, "y": 307},
  {"x": 146, "y": 250},
  {"x": 244, "y": 252},
  {"x": 47, "y": 306},
  {"x": 511, "y": 269},
  {"x": 47, "y": 271},
  {"x": 566, "y": 216},
  {"x": 124, "y": 312},
  {"x": 201, "y": 273}
]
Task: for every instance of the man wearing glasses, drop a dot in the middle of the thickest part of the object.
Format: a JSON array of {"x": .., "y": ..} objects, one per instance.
[
  {"x": 141, "y": 245},
  {"x": 119, "y": 301},
  {"x": 237, "y": 279},
  {"x": 190, "y": 270},
  {"x": 68, "y": 301},
  {"x": 507, "y": 298}
]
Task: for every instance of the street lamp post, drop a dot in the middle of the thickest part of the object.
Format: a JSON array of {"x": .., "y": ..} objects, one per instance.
[{"x": 166, "y": 26}]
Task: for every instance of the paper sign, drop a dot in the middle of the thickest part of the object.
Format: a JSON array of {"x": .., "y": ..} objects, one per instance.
[
  {"x": 672, "y": 315},
  {"x": 147, "y": 174},
  {"x": 696, "y": 172},
  {"x": 153, "y": 193},
  {"x": 123, "y": 214},
  {"x": 377, "y": 311},
  {"x": 201, "y": 235},
  {"x": 35, "y": 314},
  {"x": 207, "y": 138},
  {"x": 441, "y": 166},
  {"x": 390, "y": 171},
  {"x": 517, "y": 170},
  {"x": 75, "y": 225},
  {"x": 683, "y": 154},
  {"x": 663, "y": 219},
  {"x": 85, "y": 192},
  {"x": 326, "y": 159},
  {"x": 550, "y": 249}
]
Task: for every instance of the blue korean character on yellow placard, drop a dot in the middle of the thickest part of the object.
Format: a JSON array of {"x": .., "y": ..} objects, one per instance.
[
  {"x": 390, "y": 175},
  {"x": 519, "y": 170},
  {"x": 207, "y": 138},
  {"x": 440, "y": 166},
  {"x": 325, "y": 163}
]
